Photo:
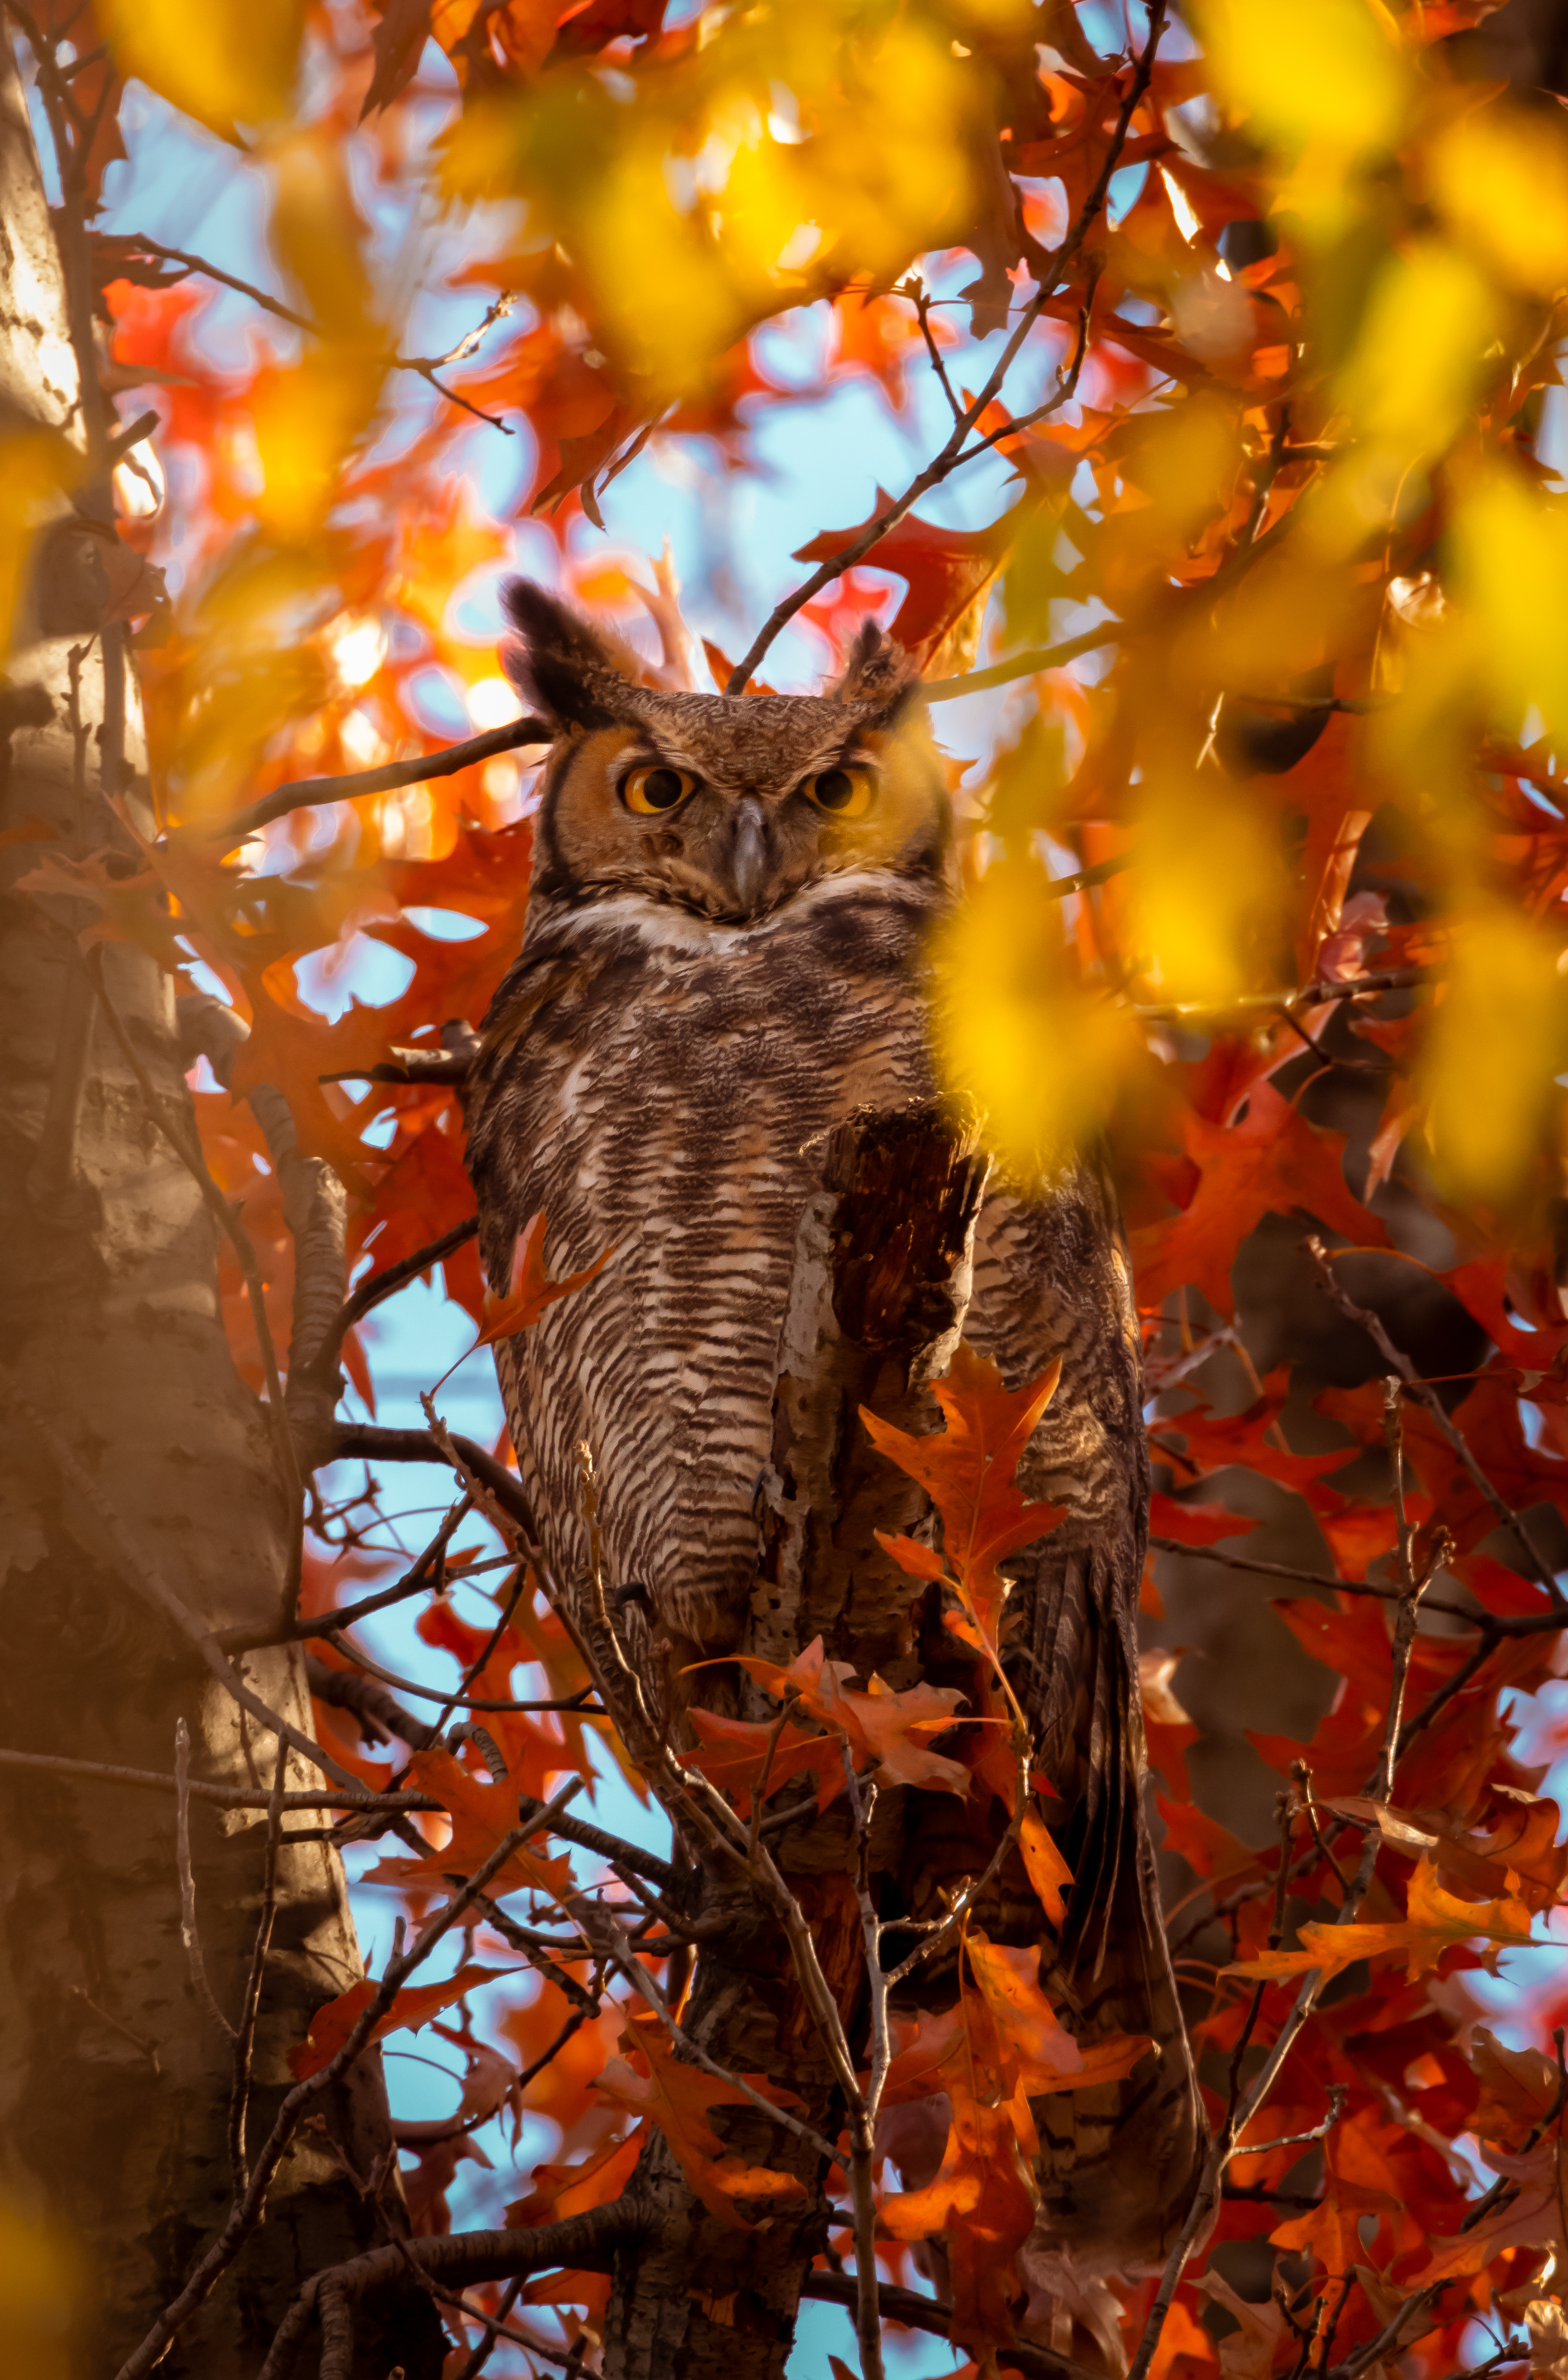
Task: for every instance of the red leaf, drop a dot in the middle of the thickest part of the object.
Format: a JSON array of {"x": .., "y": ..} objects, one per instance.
[{"x": 414, "y": 2006}]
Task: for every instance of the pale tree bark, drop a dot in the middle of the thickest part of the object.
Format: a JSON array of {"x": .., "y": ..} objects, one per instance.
[{"x": 131, "y": 1452}]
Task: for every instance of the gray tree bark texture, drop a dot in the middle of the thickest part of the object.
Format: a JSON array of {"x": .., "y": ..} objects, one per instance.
[{"x": 115, "y": 2085}]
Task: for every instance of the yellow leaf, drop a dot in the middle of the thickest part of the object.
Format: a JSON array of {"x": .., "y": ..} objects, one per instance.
[
  {"x": 1497, "y": 1040},
  {"x": 1501, "y": 177},
  {"x": 1511, "y": 572},
  {"x": 1041, "y": 1057},
  {"x": 1407, "y": 388},
  {"x": 1208, "y": 890},
  {"x": 37, "y": 466},
  {"x": 1325, "y": 70},
  {"x": 224, "y": 62}
]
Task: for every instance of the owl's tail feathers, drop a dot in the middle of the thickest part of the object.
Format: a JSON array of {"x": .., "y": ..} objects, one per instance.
[{"x": 1119, "y": 2164}]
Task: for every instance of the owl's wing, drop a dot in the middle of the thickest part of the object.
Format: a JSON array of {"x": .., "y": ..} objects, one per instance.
[{"x": 1118, "y": 2164}]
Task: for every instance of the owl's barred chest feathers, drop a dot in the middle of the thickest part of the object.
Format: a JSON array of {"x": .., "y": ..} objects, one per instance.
[{"x": 668, "y": 1097}]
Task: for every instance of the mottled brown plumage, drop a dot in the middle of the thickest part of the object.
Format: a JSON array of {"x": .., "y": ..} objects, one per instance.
[{"x": 705, "y": 989}]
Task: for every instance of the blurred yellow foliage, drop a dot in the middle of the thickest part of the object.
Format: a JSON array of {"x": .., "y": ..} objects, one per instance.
[
  {"x": 1208, "y": 889},
  {"x": 1406, "y": 390},
  {"x": 42, "y": 2279},
  {"x": 1496, "y": 1041},
  {"x": 226, "y": 62},
  {"x": 793, "y": 144},
  {"x": 1511, "y": 572},
  {"x": 1324, "y": 84},
  {"x": 1499, "y": 177},
  {"x": 1041, "y": 1056}
]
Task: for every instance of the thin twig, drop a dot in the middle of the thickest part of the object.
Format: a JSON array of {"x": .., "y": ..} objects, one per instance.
[
  {"x": 953, "y": 453},
  {"x": 348, "y": 1615},
  {"x": 1399, "y": 1362},
  {"x": 863, "y": 2118},
  {"x": 188, "y": 1930},
  {"x": 449, "y": 1697},
  {"x": 378, "y": 1286},
  {"x": 1303, "y": 1577},
  {"x": 245, "y": 2039},
  {"x": 1307, "y": 995},
  {"x": 132, "y": 244}
]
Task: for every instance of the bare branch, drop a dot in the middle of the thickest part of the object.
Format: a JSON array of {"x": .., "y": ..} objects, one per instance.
[
  {"x": 309, "y": 793},
  {"x": 112, "y": 248},
  {"x": 952, "y": 454}
]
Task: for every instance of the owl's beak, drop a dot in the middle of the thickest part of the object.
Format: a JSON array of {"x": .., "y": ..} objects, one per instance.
[{"x": 748, "y": 855}]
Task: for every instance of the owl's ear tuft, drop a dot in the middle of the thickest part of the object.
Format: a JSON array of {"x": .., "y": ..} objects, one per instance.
[
  {"x": 879, "y": 676},
  {"x": 570, "y": 673}
]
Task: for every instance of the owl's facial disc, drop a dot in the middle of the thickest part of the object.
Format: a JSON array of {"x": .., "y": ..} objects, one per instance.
[{"x": 679, "y": 808}]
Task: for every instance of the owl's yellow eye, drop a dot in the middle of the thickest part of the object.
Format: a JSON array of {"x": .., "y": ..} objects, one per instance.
[
  {"x": 843, "y": 792},
  {"x": 652, "y": 791}
]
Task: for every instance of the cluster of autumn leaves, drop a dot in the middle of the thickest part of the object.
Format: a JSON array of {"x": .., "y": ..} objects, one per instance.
[{"x": 1300, "y": 489}]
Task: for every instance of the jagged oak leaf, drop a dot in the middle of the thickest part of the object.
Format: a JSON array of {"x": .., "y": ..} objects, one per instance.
[
  {"x": 532, "y": 1289},
  {"x": 734, "y": 1750},
  {"x": 481, "y": 1815},
  {"x": 967, "y": 1469},
  {"x": 885, "y": 1729},
  {"x": 414, "y": 2006},
  {"x": 1272, "y": 1163},
  {"x": 982, "y": 2202},
  {"x": 651, "y": 2082},
  {"x": 1434, "y": 1922}
]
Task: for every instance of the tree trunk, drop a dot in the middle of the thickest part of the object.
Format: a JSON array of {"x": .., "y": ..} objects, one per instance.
[{"x": 131, "y": 1445}]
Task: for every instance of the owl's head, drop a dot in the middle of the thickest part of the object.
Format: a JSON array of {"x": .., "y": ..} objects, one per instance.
[{"x": 726, "y": 806}]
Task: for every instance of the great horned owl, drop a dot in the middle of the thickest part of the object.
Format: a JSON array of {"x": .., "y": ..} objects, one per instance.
[{"x": 722, "y": 960}]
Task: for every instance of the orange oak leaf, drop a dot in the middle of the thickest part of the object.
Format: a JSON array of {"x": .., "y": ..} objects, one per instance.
[
  {"x": 651, "y": 2082},
  {"x": 414, "y": 2006},
  {"x": 481, "y": 1815},
  {"x": 884, "y": 1728},
  {"x": 532, "y": 1289},
  {"x": 968, "y": 1471},
  {"x": 1434, "y": 1922},
  {"x": 982, "y": 2202},
  {"x": 1332, "y": 2231},
  {"x": 734, "y": 1750},
  {"x": 1272, "y": 1162},
  {"x": 1522, "y": 1859}
]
